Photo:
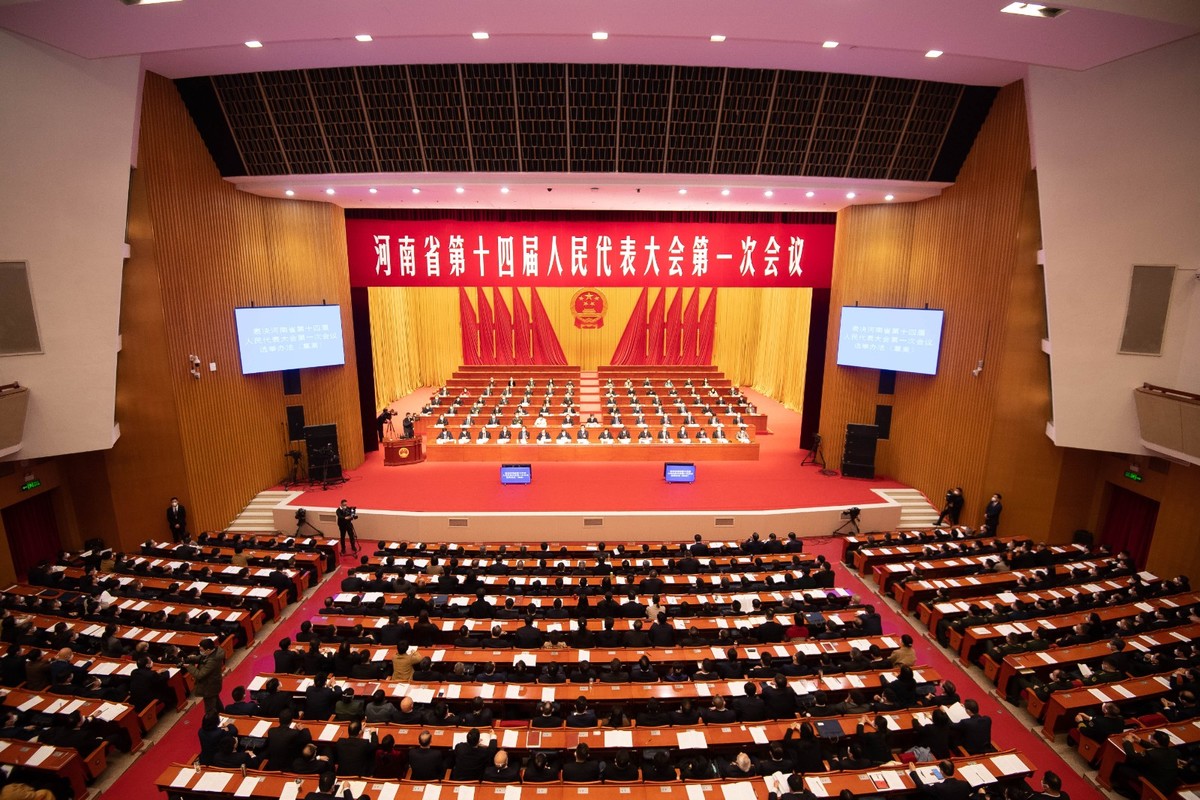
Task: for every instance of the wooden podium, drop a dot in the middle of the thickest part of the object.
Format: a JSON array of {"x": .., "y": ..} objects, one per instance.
[{"x": 399, "y": 452}]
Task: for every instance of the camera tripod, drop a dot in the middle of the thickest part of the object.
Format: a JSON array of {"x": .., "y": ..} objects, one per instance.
[
  {"x": 302, "y": 522},
  {"x": 851, "y": 523},
  {"x": 293, "y": 478},
  {"x": 816, "y": 457},
  {"x": 327, "y": 461}
]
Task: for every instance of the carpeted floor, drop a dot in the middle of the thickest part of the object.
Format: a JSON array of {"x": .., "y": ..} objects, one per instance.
[{"x": 777, "y": 480}]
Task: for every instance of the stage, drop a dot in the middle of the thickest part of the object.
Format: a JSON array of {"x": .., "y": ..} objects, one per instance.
[{"x": 624, "y": 501}]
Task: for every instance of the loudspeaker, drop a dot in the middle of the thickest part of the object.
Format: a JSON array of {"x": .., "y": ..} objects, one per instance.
[
  {"x": 295, "y": 423},
  {"x": 887, "y": 381},
  {"x": 858, "y": 470},
  {"x": 324, "y": 458},
  {"x": 883, "y": 420},
  {"x": 291, "y": 381},
  {"x": 858, "y": 456}
]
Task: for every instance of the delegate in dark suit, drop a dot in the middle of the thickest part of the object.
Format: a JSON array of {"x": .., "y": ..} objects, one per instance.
[{"x": 176, "y": 519}]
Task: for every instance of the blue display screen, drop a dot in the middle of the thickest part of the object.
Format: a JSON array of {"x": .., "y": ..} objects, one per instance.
[
  {"x": 679, "y": 473},
  {"x": 516, "y": 473},
  {"x": 899, "y": 339},
  {"x": 277, "y": 338}
]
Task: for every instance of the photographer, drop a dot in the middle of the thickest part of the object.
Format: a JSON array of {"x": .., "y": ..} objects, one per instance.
[
  {"x": 206, "y": 669},
  {"x": 952, "y": 510},
  {"x": 346, "y": 515},
  {"x": 382, "y": 421}
]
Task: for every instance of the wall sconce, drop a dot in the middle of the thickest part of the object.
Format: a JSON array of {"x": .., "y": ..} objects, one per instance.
[{"x": 194, "y": 361}]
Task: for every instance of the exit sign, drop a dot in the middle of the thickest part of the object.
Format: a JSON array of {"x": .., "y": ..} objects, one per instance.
[
  {"x": 28, "y": 485},
  {"x": 1133, "y": 476}
]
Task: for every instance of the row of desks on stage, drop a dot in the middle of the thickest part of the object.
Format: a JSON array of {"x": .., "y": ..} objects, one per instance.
[
  {"x": 184, "y": 780},
  {"x": 551, "y": 451}
]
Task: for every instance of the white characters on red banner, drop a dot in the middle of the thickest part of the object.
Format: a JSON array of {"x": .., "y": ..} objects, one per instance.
[
  {"x": 408, "y": 256},
  {"x": 747, "y": 265},
  {"x": 383, "y": 254}
]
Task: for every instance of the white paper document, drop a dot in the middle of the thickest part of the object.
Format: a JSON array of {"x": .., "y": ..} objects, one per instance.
[
  {"x": 1009, "y": 764},
  {"x": 692, "y": 740},
  {"x": 976, "y": 774},
  {"x": 181, "y": 779},
  {"x": 213, "y": 782},
  {"x": 618, "y": 738},
  {"x": 246, "y": 787},
  {"x": 741, "y": 790}
]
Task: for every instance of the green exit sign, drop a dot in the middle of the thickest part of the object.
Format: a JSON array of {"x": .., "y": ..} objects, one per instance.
[
  {"x": 33, "y": 484},
  {"x": 1133, "y": 476}
]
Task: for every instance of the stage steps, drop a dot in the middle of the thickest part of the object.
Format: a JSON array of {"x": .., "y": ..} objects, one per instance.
[
  {"x": 256, "y": 516},
  {"x": 589, "y": 394},
  {"x": 915, "y": 510}
]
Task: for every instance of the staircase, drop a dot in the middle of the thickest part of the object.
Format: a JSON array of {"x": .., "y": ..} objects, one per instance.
[
  {"x": 915, "y": 510},
  {"x": 256, "y": 516},
  {"x": 589, "y": 394}
]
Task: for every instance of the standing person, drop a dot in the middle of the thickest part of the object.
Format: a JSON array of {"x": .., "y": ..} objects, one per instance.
[
  {"x": 953, "y": 507},
  {"x": 991, "y": 514},
  {"x": 345, "y": 522},
  {"x": 206, "y": 670},
  {"x": 177, "y": 519},
  {"x": 409, "y": 426}
]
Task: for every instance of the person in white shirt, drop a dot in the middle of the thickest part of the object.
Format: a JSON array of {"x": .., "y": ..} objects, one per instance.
[
  {"x": 743, "y": 436},
  {"x": 540, "y": 422}
]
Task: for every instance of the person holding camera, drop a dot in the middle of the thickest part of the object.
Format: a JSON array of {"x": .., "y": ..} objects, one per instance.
[
  {"x": 383, "y": 420},
  {"x": 954, "y": 506},
  {"x": 346, "y": 514},
  {"x": 206, "y": 668}
]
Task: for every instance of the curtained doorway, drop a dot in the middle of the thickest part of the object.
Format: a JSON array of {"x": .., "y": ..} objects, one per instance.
[
  {"x": 1129, "y": 523},
  {"x": 32, "y": 528}
]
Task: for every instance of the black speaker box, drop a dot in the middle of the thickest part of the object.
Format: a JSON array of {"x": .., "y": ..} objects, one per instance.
[
  {"x": 851, "y": 470},
  {"x": 291, "y": 381},
  {"x": 860, "y": 451},
  {"x": 295, "y": 423},
  {"x": 883, "y": 420},
  {"x": 324, "y": 459}
]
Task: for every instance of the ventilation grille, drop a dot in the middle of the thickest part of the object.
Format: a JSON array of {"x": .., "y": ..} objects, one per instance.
[
  {"x": 458, "y": 522},
  {"x": 593, "y": 522},
  {"x": 584, "y": 118},
  {"x": 723, "y": 522}
]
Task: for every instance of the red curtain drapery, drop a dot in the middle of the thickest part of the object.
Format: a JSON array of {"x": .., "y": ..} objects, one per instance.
[
  {"x": 631, "y": 349},
  {"x": 469, "y": 326},
  {"x": 691, "y": 329},
  {"x": 487, "y": 347},
  {"x": 546, "y": 349},
  {"x": 708, "y": 329},
  {"x": 673, "y": 330},
  {"x": 504, "y": 329},
  {"x": 32, "y": 529},
  {"x": 1129, "y": 524},
  {"x": 656, "y": 327},
  {"x": 522, "y": 331}
]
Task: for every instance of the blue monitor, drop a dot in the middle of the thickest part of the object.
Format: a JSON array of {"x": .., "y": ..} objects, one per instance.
[
  {"x": 898, "y": 339},
  {"x": 278, "y": 338},
  {"x": 679, "y": 473},
  {"x": 516, "y": 473}
]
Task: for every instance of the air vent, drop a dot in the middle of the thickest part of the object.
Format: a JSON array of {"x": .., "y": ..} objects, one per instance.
[
  {"x": 458, "y": 522},
  {"x": 593, "y": 522},
  {"x": 327, "y": 518},
  {"x": 723, "y": 522}
]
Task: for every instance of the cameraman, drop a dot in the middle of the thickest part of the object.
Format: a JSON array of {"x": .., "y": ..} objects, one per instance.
[
  {"x": 383, "y": 419},
  {"x": 345, "y": 522},
  {"x": 954, "y": 506}
]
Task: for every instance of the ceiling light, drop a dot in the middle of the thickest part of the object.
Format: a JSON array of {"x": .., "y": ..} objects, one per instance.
[
  {"x": 364, "y": 37},
  {"x": 289, "y": 192},
  {"x": 829, "y": 45},
  {"x": 329, "y": 191},
  {"x": 503, "y": 190},
  {"x": 934, "y": 54},
  {"x": 810, "y": 194},
  {"x": 416, "y": 190},
  {"x": 373, "y": 190},
  {"x": 459, "y": 189},
  {"x": 851, "y": 195},
  {"x": 1032, "y": 10},
  {"x": 889, "y": 197},
  {"x": 600, "y": 36},
  {"x": 724, "y": 193},
  {"x": 768, "y": 193},
  {"x": 717, "y": 37},
  {"x": 146, "y": 2},
  {"x": 253, "y": 43},
  {"x": 683, "y": 191},
  {"x": 480, "y": 35}
]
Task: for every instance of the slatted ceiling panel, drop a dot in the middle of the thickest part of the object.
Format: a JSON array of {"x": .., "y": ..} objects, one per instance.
[
  {"x": 216, "y": 248},
  {"x": 438, "y": 108},
  {"x": 846, "y": 99},
  {"x": 798, "y": 96},
  {"x": 340, "y": 108},
  {"x": 744, "y": 115},
  {"x": 246, "y": 112},
  {"x": 922, "y": 141},
  {"x": 389, "y": 113},
  {"x": 697, "y": 95},
  {"x": 645, "y": 101},
  {"x": 489, "y": 94},
  {"x": 541, "y": 91},
  {"x": 296, "y": 120},
  {"x": 891, "y": 105},
  {"x": 595, "y": 105},
  {"x": 957, "y": 251}
]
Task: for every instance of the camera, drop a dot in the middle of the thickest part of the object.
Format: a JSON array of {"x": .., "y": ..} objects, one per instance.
[{"x": 301, "y": 514}]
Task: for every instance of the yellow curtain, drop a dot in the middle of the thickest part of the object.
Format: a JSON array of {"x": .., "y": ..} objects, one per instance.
[{"x": 761, "y": 335}]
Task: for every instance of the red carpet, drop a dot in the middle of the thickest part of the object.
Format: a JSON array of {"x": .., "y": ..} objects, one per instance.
[{"x": 776, "y": 481}]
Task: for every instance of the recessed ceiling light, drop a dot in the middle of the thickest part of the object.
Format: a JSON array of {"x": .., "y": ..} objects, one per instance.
[
  {"x": 768, "y": 193},
  {"x": 717, "y": 37},
  {"x": 889, "y": 197},
  {"x": 600, "y": 35},
  {"x": 254, "y": 43},
  {"x": 934, "y": 54},
  {"x": 724, "y": 193},
  {"x": 364, "y": 37},
  {"x": 503, "y": 190},
  {"x": 329, "y": 191},
  {"x": 373, "y": 190},
  {"x": 289, "y": 192},
  {"x": 829, "y": 45},
  {"x": 810, "y": 194},
  {"x": 851, "y": 195},
  {"x": 683, "y": 191},
  {"x": 459, "y": 189},
  {"x": 480, "y": 35},
  {"x": 1032, "y": 10},
  {"x": 416, "y": 190}
]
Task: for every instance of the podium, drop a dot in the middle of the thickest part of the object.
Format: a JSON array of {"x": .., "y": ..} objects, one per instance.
[{"x": 401, "y": 452}]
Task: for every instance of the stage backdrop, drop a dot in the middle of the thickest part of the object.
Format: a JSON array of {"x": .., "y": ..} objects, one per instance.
[{"x": 761, "y": 335}]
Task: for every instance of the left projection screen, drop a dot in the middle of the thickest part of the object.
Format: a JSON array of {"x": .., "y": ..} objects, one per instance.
[{"x": 276, "y": 338}]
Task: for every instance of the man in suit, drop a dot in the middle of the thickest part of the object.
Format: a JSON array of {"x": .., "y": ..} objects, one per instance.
[
  {"x": 286, "y": 661},
  {"x": 870, "y": 623},
  {"x": 345, "y": 522},
  {"x": 206, "y": 670},
  {"x": 471, "y": 758},
  {"x": 1157, "y": 763},
  {"x": 951, "y": 787},
  {"x": 583, "y": 768},
  {"x": 501, "y": 771},
  {"x": 324, "y": 787},
  {"x": 177, "y": 519},
  {"x": 528, "y": 636},
  {"x": 975, "y": 732},
  {"x": 581, "y": 716},
  {"x": 319, "y": 699},
  {"x": 991, "y": 514},
  {"x": 718, "y": 714},
  {"x": 354, "y": 755},
  {"x": 751, "y": 707},
  {"x": 285, "y": 743},
  {"x": 426, "y": 763}
]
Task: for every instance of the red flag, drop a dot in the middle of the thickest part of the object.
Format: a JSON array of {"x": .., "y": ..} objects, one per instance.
[
  {"x": 470, "y": 328},
  {"x": 522, "y": 331},
  {"x": 691, "y": 329},
  {"x": 546, "y": 349},
  {"x": 657, "y": 328},
  {"x": 504, "y": 332},
  {"x": 632, "y": 347}
]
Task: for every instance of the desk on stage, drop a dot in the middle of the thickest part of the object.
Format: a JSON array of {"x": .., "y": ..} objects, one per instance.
[{"x": 400, "y": 452}]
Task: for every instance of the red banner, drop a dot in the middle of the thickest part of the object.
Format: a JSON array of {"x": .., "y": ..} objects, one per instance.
[{"x": 598, "y": 254}]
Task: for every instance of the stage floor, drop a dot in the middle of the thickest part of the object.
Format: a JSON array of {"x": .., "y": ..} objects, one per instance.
[{"x": 776, "y": 481}]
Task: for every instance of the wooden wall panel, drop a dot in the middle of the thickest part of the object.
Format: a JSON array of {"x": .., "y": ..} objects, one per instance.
[{"x": 215, "y": 248}]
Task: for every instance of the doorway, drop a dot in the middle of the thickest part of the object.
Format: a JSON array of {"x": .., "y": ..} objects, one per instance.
[
  {"x": 1129, "y": 523},
  {"x": 32, "y": 529}
]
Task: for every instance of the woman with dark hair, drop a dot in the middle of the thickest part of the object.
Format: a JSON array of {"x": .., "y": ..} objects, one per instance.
[
  {"x": 873, "y": 736},
  {"x": 211, "y": 735},
  {"x": 617, "y": 718},
  {"x": 935, "y": 736},
  {"x": 540, "y": 769},
  {"x": 904, "y": 687},
  {"x": 660, "y": 769},
  {"x": 806, "y": 751}
]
